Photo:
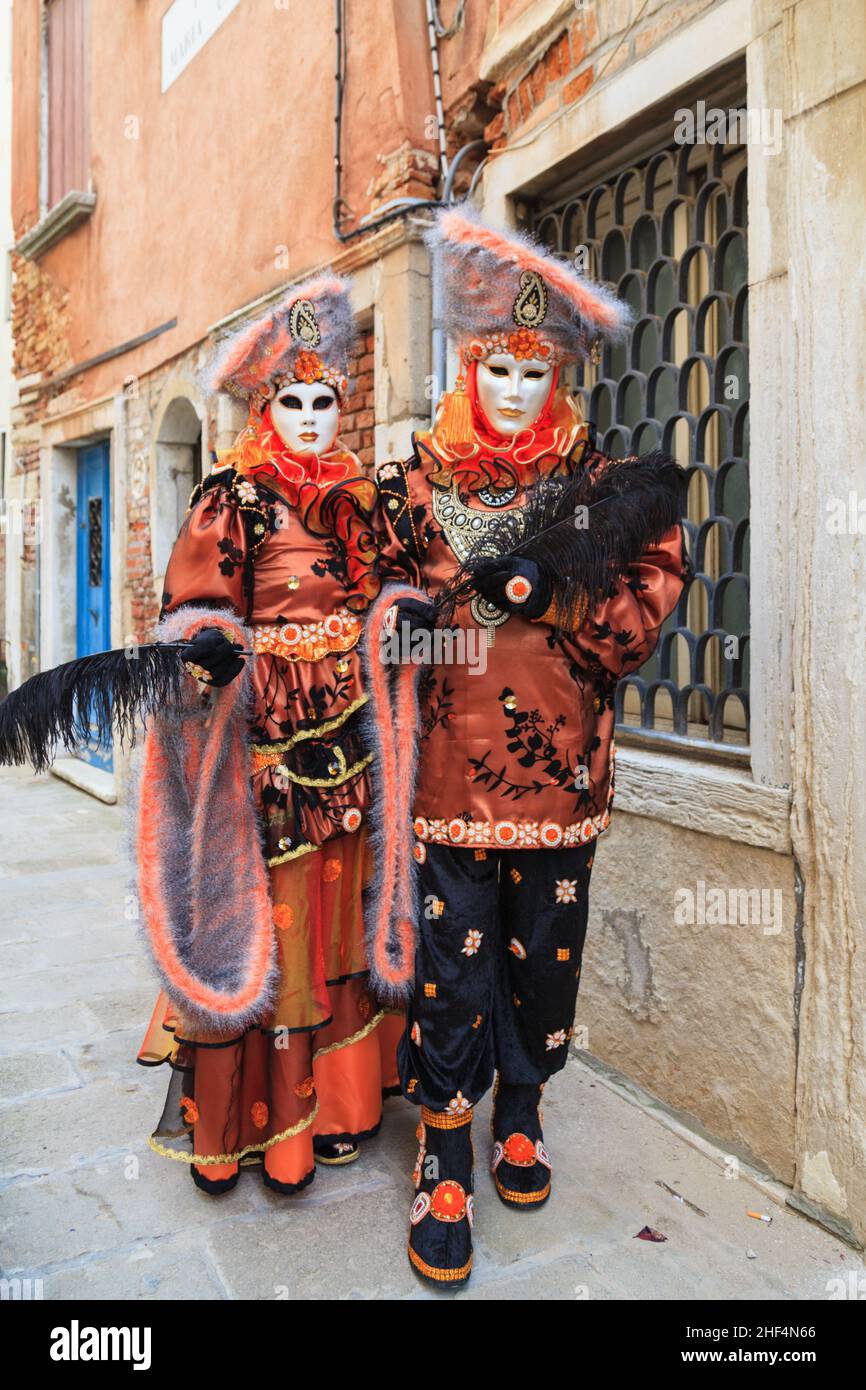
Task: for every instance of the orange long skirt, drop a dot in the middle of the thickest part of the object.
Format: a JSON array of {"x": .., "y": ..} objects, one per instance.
[{"x": 317, "y": 1067}]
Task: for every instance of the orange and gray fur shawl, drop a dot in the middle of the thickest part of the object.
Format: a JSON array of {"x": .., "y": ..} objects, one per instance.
[{"x": 203, "y": 883}]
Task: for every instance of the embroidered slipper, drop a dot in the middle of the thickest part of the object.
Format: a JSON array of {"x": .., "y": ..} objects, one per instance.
[
  {"x": 520, "y": 1163},
  {"x": 335, "y": 1153},
  {"x": 440, "y": 1229}
]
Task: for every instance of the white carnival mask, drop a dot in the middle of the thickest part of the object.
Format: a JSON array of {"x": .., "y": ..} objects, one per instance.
[
  {"x": 511, "y": 391},
  {"x": 306, "y": 416}
]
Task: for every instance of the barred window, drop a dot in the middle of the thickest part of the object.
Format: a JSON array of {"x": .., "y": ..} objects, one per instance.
[{"x": 669, "y": 233}]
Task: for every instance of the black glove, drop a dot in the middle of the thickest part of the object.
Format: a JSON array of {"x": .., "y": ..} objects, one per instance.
[
  {"x": 420, "y": 616},
  {"x": 215, "y": 653},
  {"x": 514, "y": 585}
]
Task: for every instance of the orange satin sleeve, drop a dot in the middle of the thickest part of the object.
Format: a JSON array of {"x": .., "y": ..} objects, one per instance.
[
  {"x": 208, "y": 559},
  {"x": 621, "y": 631}
]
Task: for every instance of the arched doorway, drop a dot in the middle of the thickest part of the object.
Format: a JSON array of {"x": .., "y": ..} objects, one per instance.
[{"x": 178, "y": 467}]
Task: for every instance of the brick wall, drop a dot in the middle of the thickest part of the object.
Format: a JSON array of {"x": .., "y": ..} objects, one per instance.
[
  {"x": 603, "y": 39},
  {"x": 358, "y": 418},
  {"x": 40, "y": 320}
]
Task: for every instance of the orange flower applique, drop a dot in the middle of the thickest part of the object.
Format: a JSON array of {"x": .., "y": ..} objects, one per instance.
[
  {"x": 284, "y": 916},
  {"x": 519, "y": 1150},
  {"x": 308, "y": 367},
  {"x": 304, "y": 1089},
  {"x": 189, "y": 1110},
  {"x": 331, "y": 869},
  {"x": 259, "y": 1114}
]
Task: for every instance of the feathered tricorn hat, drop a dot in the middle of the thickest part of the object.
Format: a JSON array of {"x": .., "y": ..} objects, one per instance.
[
  {"x": 306, "y": 336},
  {"x": 502, "y": 292}
]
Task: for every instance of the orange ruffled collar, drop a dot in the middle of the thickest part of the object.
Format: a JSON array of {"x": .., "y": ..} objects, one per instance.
[
  {"x": 330, "y": 492},
  {"x": 259, "y": 453}
]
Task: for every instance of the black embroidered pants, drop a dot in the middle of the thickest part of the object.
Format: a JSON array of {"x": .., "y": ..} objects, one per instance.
[{"x": 497, "y": 968}]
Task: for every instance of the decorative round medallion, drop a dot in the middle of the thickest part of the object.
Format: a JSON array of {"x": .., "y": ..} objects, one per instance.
[
  {"x": 551, "y": 834},
  {"x": 505, "y": 833},
  {"x": 486, "y": 614},
  {"x": 518, "y": 589},
  {"x": 448, "y": 1201}
]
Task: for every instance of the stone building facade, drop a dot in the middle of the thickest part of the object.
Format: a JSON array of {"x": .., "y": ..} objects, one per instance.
[{"x": 726, "y": 969}]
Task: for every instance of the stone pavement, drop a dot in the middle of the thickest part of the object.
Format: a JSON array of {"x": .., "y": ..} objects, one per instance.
[{"x": 88, "y": 1209}]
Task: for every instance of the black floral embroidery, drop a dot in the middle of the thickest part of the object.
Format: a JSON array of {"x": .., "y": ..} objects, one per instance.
[
  {"x": 234, "y": 556},
  {"x": 283, "y": 708},
  {"x": 334, "y": 565},
  {"x": 437, "y": 705},
  {"x": 535, "y": 744}
]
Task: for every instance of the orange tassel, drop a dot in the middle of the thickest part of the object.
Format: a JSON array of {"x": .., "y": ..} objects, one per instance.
[{"x": 454, "y": 420}]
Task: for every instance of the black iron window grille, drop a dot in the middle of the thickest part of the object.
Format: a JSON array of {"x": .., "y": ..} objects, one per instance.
[
  {"x": 94, "y": 537},
  {"x": 669, "y": 233}
]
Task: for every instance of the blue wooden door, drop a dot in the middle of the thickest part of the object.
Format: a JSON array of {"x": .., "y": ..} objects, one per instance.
[{"x": 93, "y": 574}]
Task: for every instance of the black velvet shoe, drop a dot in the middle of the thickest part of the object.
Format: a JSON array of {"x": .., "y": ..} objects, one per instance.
[
  {"x": 335, "y": 1153},
  {"x": 520, "y": 1165},
  {"x": 211, "y": 1187},
  {"x": 440, "y": 1233}
]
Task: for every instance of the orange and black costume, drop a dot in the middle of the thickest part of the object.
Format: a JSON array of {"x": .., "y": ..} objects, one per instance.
[
  {"x": 514, "y": 782},
  {"x": 280, "y": 548}
]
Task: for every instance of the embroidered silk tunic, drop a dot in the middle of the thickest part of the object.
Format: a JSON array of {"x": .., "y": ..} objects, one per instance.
[
  {"x": 243, "y": 545},
  {"x": 521, "y": 756}
]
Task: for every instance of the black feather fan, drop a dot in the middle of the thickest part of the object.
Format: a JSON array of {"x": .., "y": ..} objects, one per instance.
[
  {"x": 105, "y": 690},
  {"x": 581, "y": 530}
]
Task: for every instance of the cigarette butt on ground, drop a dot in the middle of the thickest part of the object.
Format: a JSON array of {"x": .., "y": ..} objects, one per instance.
[{"x": 760, "y": 1216}]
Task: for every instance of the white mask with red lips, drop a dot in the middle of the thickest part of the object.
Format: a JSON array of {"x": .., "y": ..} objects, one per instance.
[
  {"x": 512, "y": 392},
  {"x": 306, "y": 416}
]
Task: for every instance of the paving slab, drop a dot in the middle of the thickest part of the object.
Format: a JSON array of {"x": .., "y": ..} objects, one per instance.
[{"x": 87, "y": 1208}]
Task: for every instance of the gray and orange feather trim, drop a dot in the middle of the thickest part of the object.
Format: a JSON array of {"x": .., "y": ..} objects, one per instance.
[
  {"x": 203, "y": 885},
  {"x": 392, "y": 727}
]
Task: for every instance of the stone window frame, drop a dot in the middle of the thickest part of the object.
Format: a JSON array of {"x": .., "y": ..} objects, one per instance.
[{"x": 706, "y": 57}]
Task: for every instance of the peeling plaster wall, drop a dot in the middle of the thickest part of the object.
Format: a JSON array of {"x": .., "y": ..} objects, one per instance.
[
  {"x": 814, "y": 231},
  {"x": 702, "y": 1015}
]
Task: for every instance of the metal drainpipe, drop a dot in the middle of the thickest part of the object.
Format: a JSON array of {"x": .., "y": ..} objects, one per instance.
[
  {"x": 406, "y": 204},
  {"x": 437, "y": 92},
  {"x": 439, "y": 338},
  {"x": 438, "y": 349}
]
